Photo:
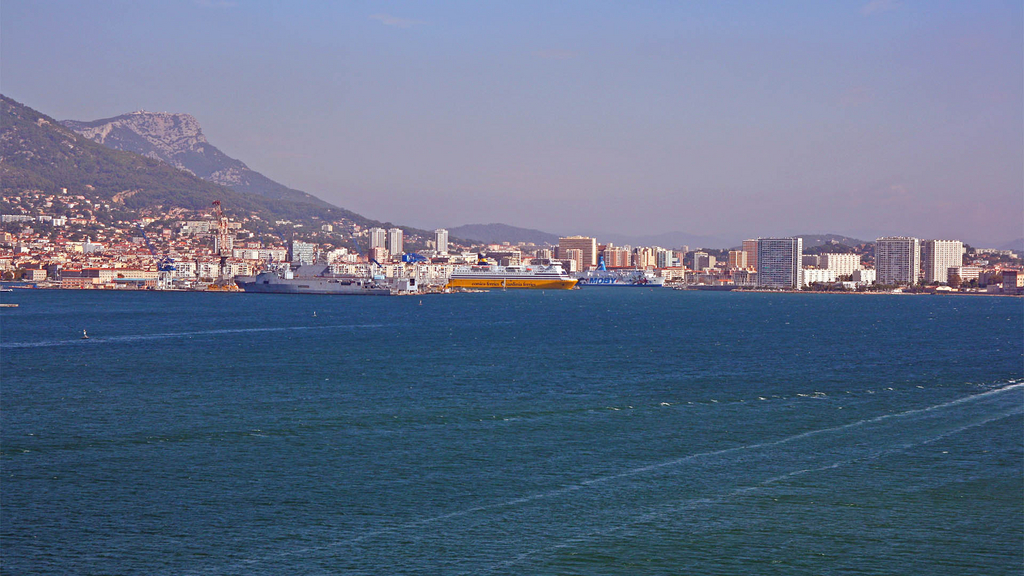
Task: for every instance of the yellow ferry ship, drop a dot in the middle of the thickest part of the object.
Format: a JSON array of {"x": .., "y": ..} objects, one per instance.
[{"x": 501, "y": 277}]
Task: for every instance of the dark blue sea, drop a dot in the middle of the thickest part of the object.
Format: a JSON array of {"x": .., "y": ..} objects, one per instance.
[{"x": 586, "y": 432}]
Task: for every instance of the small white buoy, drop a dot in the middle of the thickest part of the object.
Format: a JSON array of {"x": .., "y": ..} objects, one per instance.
[{"x": 314, "y": 313}]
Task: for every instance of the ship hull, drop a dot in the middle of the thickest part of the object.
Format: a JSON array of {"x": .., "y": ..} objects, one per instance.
[
  {"x": 611, "y": 283},
  {"x": 610, "y": 279},
  {"x": 272, "y": 284},
  {"x": 513, "y": 283}
]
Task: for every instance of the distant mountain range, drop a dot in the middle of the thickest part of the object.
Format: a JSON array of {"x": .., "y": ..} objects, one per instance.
[
  {"x": 497, "y": 233},
  {"x": 673, "y": 240},
  {"x": 812, "y": 240},
  {"x": 1017, "y": 245}
]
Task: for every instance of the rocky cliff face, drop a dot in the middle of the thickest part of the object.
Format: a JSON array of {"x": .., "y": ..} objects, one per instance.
[
  {"x": 178, "y": 140},
  {"x": 159, "y": 135},
  {"x": 38, "y": 153}
]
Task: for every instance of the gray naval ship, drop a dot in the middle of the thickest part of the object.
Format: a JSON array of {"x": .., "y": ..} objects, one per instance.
[{"x": 310, "y": 279}]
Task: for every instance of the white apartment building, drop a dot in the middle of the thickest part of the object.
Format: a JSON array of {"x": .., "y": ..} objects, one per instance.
[
  {"x": 841, "y": 264},
  {"x": 239, "y": 269},
  {"x": 966, "y": 273},
  {"x": 864, "y": 276},
  {"x": 737, "y": 259},
  {"x": 303, "y": 252},
  {"x": 378, "y": 238},
  {"x": 939, "y": 256},
  {"x": 184, "y": 269},
  {"x": 818, "y": 275},
  {"x": 245, "y": 253},
  {"x": 778, "y": 262},
  {"x": 208, "y": 269},
  {"x": 441, "y": 241},
  {"x": 396, "y": 242},
  {"x": 274, "y": 254},
  {"x": 898, "y": 260},
  {"x": 665, "y": 258}
]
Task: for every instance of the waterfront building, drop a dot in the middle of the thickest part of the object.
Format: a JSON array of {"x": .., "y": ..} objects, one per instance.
[
  {"x": 396, "y": 242},
  {"x": 817, "y": 275},
  {"x": 898, "y": 260},
  {"x": 568, "y": 264},
  {"x": 616, "y": 257},
  {"x": 778, "y": 262},
  {"x": 1013, "y": 280},
  {"x": 703, "y": 261},
  {"x": 664, "y": 258},
  {"x": 750, "y": 247},
  {"x": 379, "y": 253},
  {"x": 966, "y": 273},
  {"x": 737, "y": 260},
  {"x": 644, "y": 257},
  {"x": 841, "y": 264},
  {"x": 544, "y": 254},
  {"x": 864, "y": 276},
  {"x": 506, "y": 257},
  {"x": 939, "y": 256},
  {"x": 184, "y": 269},
  {"x": 810, "y": 260},
  {"x": 575, "y": 255},
  {"x": 378, "y": 238},
  {"x": 302, "y": 253},
  {"x": 209, "y": 269},
  {"x": 989, "y": 277},
  {"x": 743, "y": 277},
  {"x": 586, "y": 244},
  {"x": 441, "y": 241}
]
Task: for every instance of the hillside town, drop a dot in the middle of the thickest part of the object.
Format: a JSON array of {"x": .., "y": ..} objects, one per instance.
[{"x": 75, "y": 241}]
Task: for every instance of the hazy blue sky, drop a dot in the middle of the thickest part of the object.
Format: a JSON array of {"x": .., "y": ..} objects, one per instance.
[{"x": 732, "y": 119}]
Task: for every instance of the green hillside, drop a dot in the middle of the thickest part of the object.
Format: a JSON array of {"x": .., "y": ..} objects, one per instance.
[{"x": 38, "y": 153}]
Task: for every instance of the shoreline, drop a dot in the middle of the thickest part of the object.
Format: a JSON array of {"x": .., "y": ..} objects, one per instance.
[{"x": 12, "y": 286}]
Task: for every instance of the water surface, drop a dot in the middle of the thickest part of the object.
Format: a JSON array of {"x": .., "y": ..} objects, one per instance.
[{"x": 583, "y": 432}]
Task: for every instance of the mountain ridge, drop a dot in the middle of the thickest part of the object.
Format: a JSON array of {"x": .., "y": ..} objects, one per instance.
[
  {"x": 39, "y": 153},
  {"x": 178, "y": 140},
  {"x": 498, "y": 232}
]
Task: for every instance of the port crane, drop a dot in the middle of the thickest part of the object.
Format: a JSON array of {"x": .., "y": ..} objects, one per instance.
[
  {"x": 164, "y": 264},
  {"x": 223, "y": 247}
]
